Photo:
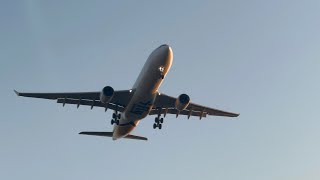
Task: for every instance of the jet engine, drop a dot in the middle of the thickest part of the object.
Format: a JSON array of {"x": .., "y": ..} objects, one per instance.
[
  {"x": 106, "y": 94},
  {"x": 182, "y": 102}
]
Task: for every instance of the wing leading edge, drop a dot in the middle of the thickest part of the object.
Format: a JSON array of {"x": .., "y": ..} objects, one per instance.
[{"x": 118, "y": 102}]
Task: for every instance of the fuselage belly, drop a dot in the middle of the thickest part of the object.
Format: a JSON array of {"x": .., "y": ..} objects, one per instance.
[{"x": 145, "y": 90}]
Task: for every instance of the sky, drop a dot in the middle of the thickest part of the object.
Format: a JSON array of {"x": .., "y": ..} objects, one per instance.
[{"x": 258, "y": 58}]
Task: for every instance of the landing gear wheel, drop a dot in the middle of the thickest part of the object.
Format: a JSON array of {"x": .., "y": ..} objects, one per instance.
[
  {"x": 112, "y": 122},
  {"x": 161, "y": 120},
  {"x": 117, "y": 122},
  {"x": 157, "y": 120},
  {"x": 154, "y": 126},
  {"x": 114, "y": 116},
  {"x": 119, "y": 116},
  {"x": 160, "y": 126}
]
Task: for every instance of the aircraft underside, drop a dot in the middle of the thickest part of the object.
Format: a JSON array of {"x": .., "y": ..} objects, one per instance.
[{"x": 144, "y": 99}]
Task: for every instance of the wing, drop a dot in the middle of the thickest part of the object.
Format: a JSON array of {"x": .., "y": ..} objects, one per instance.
[
  {"x": 118, "y": 102},
  {"x": 165, "y": 104}
]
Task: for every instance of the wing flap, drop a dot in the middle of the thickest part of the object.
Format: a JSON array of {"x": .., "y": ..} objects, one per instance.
[
  {"x": 90, "y": 103},
  {"x": 210, "y": 111},
  {"x": 72, "y": 95},
  {"x": 174, "y": 111},
  {"x": 167, "y": 103},
  {"x": 120, "y": 98}
]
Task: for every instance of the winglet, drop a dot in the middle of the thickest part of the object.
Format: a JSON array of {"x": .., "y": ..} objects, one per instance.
[{"x": 17, "y": 93}]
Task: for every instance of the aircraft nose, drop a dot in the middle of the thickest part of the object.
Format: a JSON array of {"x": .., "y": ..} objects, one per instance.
[
  {"x": 164, "y": 45},
  {"x": 166, "y": 49}
]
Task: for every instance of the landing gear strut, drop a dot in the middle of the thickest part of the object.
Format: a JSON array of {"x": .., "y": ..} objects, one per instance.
[
  {"x": 161, "y": 69},
  {"x": 115, "y": 118},
  {"x": 158, "y": 121}
]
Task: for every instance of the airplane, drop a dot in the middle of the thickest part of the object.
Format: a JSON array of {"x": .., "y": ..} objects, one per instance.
[{"x": 143, "y": 99}]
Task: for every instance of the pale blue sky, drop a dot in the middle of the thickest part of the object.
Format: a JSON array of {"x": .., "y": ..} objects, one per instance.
[{"x": 258, "y": 58}]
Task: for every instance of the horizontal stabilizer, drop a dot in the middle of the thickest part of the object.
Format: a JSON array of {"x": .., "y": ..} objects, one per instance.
[{"x": 109, "y": 134}]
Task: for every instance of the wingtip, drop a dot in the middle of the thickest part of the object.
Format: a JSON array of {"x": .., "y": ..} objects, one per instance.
[
  {"x": 17, "y": 93},
  {"x": 236, "y": 115}
]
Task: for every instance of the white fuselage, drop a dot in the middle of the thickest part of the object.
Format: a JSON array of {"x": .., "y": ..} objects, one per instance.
[{"x": 145, "y": 90}]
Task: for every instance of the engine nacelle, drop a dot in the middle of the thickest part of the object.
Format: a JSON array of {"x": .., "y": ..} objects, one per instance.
[
  {"x": 106, "y": 94},
  {"x": 182, "y": 102}
]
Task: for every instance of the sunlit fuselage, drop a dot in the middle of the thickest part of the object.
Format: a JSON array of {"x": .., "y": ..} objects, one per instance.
[{"x": 145, "y": 90}]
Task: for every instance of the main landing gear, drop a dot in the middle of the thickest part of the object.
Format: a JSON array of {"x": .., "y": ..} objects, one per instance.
[
  {"x": 158, "y": 122},
  {"x": 115, "y": 118}
]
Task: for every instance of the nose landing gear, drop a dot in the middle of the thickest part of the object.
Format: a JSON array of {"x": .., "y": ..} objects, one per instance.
[{"x": 161, "y": 69}]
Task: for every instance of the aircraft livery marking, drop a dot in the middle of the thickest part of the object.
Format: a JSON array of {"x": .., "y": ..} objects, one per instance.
[{"x": 140, "y": 107}]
